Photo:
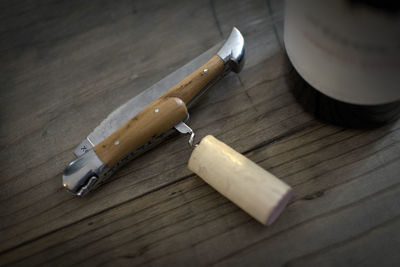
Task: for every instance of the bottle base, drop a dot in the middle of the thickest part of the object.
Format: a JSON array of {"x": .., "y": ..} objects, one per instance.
[{"x": 336, "y": 112}]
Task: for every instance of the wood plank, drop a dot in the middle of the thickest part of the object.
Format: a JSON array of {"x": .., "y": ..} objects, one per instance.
[
  {"x": 137, "y": 180},
  {"x": 145, "y": 227},
  {"x": 381, "y": 241},
  {"x": 60, "y": 57},
  {"x": 62, "y": 206}
]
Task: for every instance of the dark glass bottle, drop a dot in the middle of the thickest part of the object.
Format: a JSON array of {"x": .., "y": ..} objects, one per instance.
[
  {"x": 346, "y": 70},
  {"x": 338, "y": 112}
]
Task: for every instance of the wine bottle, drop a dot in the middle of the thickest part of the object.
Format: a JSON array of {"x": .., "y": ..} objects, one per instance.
[{"x": 346, "y": 59}]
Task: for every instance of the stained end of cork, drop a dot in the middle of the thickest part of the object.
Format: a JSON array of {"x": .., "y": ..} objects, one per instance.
[{"x": 280, "y": 206}]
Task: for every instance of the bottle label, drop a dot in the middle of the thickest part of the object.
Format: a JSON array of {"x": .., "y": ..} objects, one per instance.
[{"x": 348, "y": 50}]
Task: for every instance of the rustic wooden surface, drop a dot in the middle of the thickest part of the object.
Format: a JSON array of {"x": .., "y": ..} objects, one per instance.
[{"x": 66, "y": 64}]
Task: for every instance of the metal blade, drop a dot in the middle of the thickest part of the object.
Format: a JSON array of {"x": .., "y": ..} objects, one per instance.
[{"x": 132, "y": 107}]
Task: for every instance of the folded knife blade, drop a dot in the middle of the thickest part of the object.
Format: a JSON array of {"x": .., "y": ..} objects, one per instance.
[
  {"x": 131, "y": 108},
  {"x": 152, "y": 115}
]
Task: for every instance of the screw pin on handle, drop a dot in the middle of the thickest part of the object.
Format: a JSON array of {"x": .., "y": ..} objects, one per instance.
[{"x": 185, "y": 129}]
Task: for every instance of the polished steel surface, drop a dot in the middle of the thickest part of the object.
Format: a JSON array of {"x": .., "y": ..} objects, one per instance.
[
  {"x": 232, "y": 52},
  {"x": 84, "y": 173},
  {"x": 183, "y": 128}
]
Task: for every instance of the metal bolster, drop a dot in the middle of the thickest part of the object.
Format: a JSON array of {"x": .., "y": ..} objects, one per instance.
[
  {"x": 87, "y": 172},
  {"x": 233, "y": 51},
  {"x": 84, "y": 173}
]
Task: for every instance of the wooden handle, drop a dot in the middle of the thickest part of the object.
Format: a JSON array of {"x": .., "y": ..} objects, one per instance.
[
  {"x": 249, "y": 186},
  {"x": 189, "y": 87},
  {"x": 159, "y": 116},
  {"x": 149, "y": 123}
]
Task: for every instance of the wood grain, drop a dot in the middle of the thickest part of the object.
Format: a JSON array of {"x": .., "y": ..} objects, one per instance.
[
  {"x": 161, "y": 115},
  {"x": 66, "y": 65},
  {"x": 189, "y": 87}
]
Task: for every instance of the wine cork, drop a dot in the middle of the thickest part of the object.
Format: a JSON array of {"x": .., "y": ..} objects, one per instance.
[{"x": 256, "y": 191}]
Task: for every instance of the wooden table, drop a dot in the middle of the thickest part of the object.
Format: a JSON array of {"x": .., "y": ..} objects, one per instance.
[{"x": 66, "y": 64}]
